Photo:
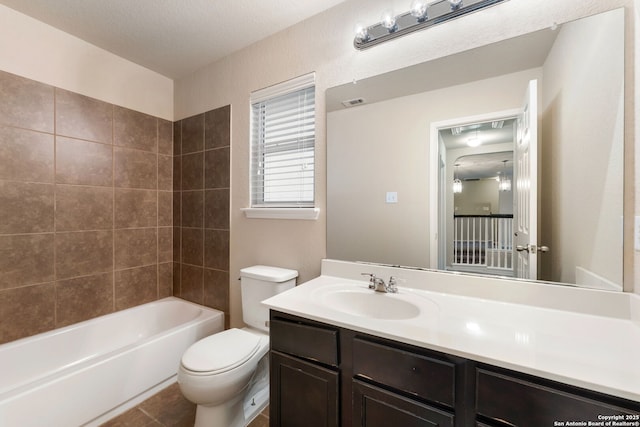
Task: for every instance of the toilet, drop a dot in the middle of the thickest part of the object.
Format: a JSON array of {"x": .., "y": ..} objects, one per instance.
[{"x": 227, "y": 374}]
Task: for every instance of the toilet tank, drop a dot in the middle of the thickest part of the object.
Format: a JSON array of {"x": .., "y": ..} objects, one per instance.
[{"x": 257, "y": 283}]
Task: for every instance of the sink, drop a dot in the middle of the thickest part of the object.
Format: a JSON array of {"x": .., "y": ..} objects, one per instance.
[{"x": 364, "y": 302}]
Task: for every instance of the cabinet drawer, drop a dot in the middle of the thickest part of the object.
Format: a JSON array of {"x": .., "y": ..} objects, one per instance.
[
  {"x": 375, "y": 407},
  {"x": 307, "y": 341},
  {"x": 409, "y": 372},
  {"x": 523, "y": 403}
]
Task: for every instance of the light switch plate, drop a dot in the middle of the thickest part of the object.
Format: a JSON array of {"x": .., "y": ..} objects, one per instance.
[{"x": 392, "y": 197}]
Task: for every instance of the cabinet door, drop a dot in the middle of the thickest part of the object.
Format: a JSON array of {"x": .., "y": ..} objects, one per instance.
[
  {"x": 376, "y": 407},
  {"x": 302, "y": 394}
]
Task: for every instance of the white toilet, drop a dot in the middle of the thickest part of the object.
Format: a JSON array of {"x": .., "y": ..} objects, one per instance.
[{"x": 227, "y": 374}]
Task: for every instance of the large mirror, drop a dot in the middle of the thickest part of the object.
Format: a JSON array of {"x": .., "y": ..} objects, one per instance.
[{"x": 545, "y": 197}]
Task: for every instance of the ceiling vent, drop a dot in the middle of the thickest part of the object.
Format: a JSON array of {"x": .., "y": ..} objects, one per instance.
[{"x": 353, "y": 102}]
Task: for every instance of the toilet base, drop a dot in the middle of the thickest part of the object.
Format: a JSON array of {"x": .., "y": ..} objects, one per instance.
[
  {"x": 238, "y": 413},
  {"x": 228, "y": 414},
  {"x": 256, "y": 399},
  {"x": 241, "y": 410}
]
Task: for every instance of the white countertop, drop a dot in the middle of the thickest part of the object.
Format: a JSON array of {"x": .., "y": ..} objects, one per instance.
[{"x": 581, "y": 337}]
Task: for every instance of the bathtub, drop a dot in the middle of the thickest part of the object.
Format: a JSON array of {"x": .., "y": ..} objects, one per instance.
[{"x": 89, "y": 372}]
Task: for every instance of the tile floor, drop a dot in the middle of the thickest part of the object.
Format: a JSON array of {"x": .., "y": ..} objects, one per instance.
[{"x": 168, "y": 408}]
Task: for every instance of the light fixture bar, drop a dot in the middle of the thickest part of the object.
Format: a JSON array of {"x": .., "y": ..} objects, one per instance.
[{"x": 437, "y": 12}]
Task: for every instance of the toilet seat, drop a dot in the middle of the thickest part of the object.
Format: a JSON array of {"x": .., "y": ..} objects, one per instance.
[{"x": 220, "y": 352}]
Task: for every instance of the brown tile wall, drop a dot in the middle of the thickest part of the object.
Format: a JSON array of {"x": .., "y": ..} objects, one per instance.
[
  {"x": 86, "y": 207},
  {"x": 201, "y": 208}
]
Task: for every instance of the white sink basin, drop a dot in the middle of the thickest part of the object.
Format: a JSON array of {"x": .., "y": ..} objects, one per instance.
[{"x": 364, "y": 302}]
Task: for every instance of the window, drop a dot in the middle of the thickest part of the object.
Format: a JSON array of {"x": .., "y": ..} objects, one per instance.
[{"x": 283, "y": 144}]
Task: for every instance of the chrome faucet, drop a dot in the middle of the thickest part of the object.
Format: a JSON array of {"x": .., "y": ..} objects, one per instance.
[{"x": 378, "y": 285}]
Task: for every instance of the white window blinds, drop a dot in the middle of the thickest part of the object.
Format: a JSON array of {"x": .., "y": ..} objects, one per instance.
[{"x": 283, "y": 144}]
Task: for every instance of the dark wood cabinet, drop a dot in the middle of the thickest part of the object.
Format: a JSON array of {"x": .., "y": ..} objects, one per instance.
[
  {"x": 323, "y": 375},
  {"x": 406, "y": 371},
  {"x": 376, "y": 407},
  {"x": 302, "y": 393},
  {"x": 304, "y": 389},
  {"x": 522, "y": 400}
]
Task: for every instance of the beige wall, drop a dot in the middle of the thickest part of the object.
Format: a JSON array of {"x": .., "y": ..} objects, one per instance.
[
  {"x": 477, "y": 196},
  {"x": 37, "y": 51},
  {"x": 324, "y": 44},
  {"x": 584, "y": 201}
]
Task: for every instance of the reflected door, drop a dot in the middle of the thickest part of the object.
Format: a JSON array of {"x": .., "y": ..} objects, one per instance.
[{"x": 526, "y": 194}]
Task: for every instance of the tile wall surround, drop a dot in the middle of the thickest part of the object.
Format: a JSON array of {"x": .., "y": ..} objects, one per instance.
[
  {"x": 201, "y": 208},
  {"x": 86, "y": 209}
]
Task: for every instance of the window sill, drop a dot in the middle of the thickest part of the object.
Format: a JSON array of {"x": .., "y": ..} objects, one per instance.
[{"x": 281, "y": 213}]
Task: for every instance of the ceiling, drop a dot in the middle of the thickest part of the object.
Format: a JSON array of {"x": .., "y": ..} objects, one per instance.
[
  {"x": 482, "y": 165},
  {"x": 171, "y": 37}
]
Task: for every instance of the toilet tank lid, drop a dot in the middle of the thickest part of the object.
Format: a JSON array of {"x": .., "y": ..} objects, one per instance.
[{"x": 267, "y": 273}]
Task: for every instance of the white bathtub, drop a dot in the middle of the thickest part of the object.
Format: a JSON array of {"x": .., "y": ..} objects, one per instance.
[{"x": 89, "y": 372}]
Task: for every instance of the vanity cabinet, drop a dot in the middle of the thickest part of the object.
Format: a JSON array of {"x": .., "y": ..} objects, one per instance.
[{"x": 323, "y": 375}]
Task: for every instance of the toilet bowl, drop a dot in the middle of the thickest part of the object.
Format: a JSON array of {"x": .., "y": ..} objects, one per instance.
[{"x": 226, "y": 374}]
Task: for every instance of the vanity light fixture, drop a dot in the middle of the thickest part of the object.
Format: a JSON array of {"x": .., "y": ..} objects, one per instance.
[
  {"x": 422, "y": 14},
  {"x": 457, "y": 184}
]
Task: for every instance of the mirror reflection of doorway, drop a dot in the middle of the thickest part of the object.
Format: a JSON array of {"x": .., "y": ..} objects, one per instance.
[
  {"x": 478, "y": 181},
  {"x": 482, "y": 214},
  {"x": 473, "y": 242}
]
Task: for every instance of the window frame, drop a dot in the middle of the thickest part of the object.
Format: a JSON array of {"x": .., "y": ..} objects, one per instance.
[{"x": 289, "y": 209}]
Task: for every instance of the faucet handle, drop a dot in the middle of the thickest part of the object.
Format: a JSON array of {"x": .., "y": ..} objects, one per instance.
[
  {"x": 372, "y": 279},
  {"x": 392, "y": 287}
]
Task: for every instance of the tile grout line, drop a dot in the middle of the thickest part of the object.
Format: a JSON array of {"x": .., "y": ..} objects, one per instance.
[
  {"x": 204, "y": 192},
  {"x": 113, "y": 212},
  {"x": 55, "y": 210},
  {"x": 157, "y": 209},
  {"x": 181, "y": 215}
]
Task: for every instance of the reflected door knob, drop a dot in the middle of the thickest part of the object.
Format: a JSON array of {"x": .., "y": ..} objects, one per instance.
[{"x": 532, "y": 249}]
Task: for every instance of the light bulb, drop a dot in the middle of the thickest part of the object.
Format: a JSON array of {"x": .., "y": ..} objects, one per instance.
[
  {"x": 474, "y": 141},
  {"x": 419, "y": 10},
  {"x": 388, "y": 19},
  {"x": 505, "y": 184},
  {"x": 362, "y": 33},
  {"x": 455, "y": 4},
  {"x": 457, "y": 186}
]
